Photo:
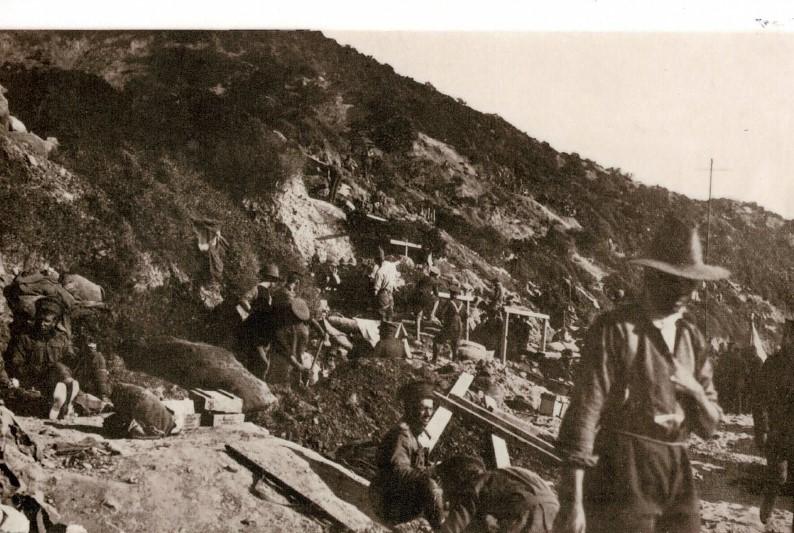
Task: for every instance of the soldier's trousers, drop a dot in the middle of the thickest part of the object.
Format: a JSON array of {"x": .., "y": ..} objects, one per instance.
[{"x": 640, "y": 485}]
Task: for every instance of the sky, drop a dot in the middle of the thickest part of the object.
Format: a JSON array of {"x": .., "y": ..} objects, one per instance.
[{"x": 657, "y": 105}]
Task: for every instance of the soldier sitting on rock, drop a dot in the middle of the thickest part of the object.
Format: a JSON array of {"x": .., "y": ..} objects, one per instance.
[
  {"x": 38, "y": 359},
  {"x": 403, "y": 489}
]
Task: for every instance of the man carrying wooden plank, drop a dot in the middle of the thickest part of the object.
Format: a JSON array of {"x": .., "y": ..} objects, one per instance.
[
  {"x": 517, "y": 498},
  {"x": 644, "y": 383},
  {"x": 403, "y": 489}
]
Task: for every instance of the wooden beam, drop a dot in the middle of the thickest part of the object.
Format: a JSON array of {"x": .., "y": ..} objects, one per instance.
[
  {"x": 405, "y": 243},
  {"x": 332, "y": 236},
  {"x": 502, "y": 428},
  {"x": 376, "y": 217},
  {"x": 523, "y": 311},
  {"x": 521, "y": 426},
  {"x": 307, "y": 499},
  {"x": 462, "y": 298}
]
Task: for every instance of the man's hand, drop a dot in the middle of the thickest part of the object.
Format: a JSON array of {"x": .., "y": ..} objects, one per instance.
[
  {"x": 570, "y": 519},
  {"x": 685, "y": 381}
]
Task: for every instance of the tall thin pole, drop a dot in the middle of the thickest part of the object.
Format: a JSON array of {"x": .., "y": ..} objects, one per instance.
[
  {"x": 708, "y": 239},
  {"x": 708, "y": 216}
]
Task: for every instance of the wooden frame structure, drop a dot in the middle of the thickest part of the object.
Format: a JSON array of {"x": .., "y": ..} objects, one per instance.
[
  {"x": 522, "y": 311},
  {"x": 405, "y": 244}
]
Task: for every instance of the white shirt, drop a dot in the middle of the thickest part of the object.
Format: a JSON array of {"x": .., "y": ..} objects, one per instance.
[
  {"x": 667, "y": 327},
  {"x": 386, "y": 277}
]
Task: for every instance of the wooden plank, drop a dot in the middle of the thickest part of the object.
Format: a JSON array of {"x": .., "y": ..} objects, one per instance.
[
  {"x": 332, "y": 236},
  {"x": 479, "y": 416},
  {"x": 523, "y": 311},
  {"x": 461, "y": 385},
  {"x": 337, "y": 518},
  {"x": 375, "y": 217},
  {"x": 500, "y": 454},
  {"x": 462, "y": 298},
  {"x": 438, "y": 422},
  {"x": 405, "y": 243},
  {"x": 432, "y": 432}
]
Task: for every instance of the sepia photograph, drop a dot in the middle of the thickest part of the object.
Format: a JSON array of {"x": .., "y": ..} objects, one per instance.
[{"x": 439, "y": 275}]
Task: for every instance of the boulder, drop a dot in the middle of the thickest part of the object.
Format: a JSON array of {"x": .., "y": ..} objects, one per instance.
[
  {"x": 198, "y": 365},
  {"x": 34, "y": 143},
  {"x": 16, "y": 125}
]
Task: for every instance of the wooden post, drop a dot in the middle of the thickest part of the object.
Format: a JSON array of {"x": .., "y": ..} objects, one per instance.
[
  {"x": 468, "y": 311},
  {"x": 543, "y": 334},
  {"x": 504, "y": 336}
]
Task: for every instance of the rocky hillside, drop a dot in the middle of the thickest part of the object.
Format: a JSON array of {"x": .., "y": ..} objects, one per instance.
[{"x": 160, "y": 131}]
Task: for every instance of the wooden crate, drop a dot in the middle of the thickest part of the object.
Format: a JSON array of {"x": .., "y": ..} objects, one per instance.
[
  {"x": 218, "y": 401},
  {"x": 222, "y": 419},
  {"x": 192, "y": 421},
  {"x": 553, "y": 405}
]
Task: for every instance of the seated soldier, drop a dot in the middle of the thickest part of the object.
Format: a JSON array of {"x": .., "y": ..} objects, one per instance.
[
  {"x": 38, "y": 359},
  {"x": 403, "y": 489},
  {"x": 389, "y": 346},
  {"x": 519, "y": 500},
  {"x": 90, "y": 367}
]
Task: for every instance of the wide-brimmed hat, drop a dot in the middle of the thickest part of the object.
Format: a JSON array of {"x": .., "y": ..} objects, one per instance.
[
  {"x": 300, "y": 309},
  {"x": 270, "y": 272},
  {"x": 676, "y": 250}
]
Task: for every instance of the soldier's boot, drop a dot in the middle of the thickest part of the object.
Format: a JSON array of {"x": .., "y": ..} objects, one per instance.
[{"x": 767, "y": 506}]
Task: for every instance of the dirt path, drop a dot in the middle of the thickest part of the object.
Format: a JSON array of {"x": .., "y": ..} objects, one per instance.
[{"x": 729, "y": 470}]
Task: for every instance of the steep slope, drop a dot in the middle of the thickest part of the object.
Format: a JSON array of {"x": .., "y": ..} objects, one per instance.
[{"x": 164, "y": 127}]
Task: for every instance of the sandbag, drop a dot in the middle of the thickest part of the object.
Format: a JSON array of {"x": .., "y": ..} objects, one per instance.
[
  {"x": 83, "y": 289},
  {"x": 473, "y": 351},
  {"x": 138, "y": 413},
  {"x": 198, "y": 365}
]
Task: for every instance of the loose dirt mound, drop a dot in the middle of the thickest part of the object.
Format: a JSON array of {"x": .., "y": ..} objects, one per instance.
[{"x": 355, "y": 407}]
